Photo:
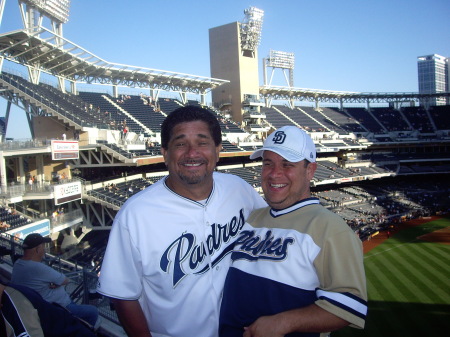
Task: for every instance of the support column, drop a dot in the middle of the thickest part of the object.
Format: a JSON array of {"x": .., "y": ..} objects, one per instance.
[
  {"x": 61, "y": 84},
  {"x": 3, "y": 179},
  {"x": 317, "y": 105},
  {"x": 291, "y": 103},
  {"x": 264, "y": 71},
  {"x": 21, "y": 172},
  {"x": 34, "y": 74},
  {"x": 43, "y": 207},
  {"x": 155, "y": 94},
  {"x": 40, "y": 168},
  {"x": 73, "y": 87},
  {"x": 183, "y": 97},
  {"x": 203, "y": 99},
  {"x": 7, "y": 114}
]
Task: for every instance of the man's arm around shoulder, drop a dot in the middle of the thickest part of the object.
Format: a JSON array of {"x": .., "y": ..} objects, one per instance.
[{"x": 308, "y": 319}]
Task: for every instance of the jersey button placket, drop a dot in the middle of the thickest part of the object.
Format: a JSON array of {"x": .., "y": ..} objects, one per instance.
[{"x": 207, "y": 233}]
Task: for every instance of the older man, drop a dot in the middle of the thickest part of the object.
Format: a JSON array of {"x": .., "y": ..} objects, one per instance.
[{"x": 169, "y": 248}]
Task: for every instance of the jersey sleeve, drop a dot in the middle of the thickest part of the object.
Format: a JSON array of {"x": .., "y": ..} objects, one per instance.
[
  {"x": 121, "y": 271},
  {"x": 342, "y": 278}
]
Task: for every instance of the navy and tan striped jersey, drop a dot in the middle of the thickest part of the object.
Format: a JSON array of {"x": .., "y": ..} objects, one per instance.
[{"x": 291, "y": 258}]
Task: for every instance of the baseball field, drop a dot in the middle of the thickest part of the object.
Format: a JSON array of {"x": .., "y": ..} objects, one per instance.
[{"x": 408, "y": 281}]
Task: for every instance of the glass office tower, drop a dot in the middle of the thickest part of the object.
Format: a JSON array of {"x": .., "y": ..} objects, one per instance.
[{"x": 433, "y": 73}]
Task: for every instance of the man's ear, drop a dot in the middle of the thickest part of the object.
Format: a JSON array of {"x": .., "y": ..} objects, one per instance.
[
  {"x": 310, "y": 170},
  {"x": 218, "y": 149},
  {"x": 164, "y": 153}
]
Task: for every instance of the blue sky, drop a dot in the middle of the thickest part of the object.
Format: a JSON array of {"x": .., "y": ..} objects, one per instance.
[{"x": 350, "y": 45}]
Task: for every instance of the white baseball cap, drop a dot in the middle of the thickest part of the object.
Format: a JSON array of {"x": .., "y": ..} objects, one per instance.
[{"x": 290, "y": 142}]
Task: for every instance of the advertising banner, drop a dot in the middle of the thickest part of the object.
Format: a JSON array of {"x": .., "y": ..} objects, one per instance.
[
  {"x": 65, "y": 149},
  {"x": 42, "y": 227},
  {"x": 67, "y": 192}
]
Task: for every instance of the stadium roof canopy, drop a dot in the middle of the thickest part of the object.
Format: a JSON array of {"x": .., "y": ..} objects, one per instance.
[
  {"x": 43, "y": 50},
  {"x": 314, "y": 95},
  {"x": 46, "y": 51}
]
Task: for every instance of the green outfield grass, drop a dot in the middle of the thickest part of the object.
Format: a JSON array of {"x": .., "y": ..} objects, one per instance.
[{"x": 408, "y": 283}]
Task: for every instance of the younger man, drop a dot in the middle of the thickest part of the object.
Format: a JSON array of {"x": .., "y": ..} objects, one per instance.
[{"x": 300, "y": 272}]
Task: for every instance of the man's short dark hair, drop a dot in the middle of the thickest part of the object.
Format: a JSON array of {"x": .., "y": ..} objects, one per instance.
[{"x": 190, "y": 113}]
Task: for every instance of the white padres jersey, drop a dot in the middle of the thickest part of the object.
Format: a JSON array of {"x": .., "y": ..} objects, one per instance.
[
  {"x": 297, "y": 256},
  {"x": 173, "y": 254}
]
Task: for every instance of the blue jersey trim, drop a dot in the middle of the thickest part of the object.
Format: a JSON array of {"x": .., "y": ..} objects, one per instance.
[
  {"x": 302, "y": 203},
  {"x": 346, "y": 301}
]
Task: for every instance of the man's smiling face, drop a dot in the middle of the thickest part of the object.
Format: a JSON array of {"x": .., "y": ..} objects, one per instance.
[
  {"x": 284, "y": 183},
  {"x": 191, "y": 157}
]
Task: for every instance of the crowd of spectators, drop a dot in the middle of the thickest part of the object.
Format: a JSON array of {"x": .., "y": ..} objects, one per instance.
[
  {"x": 58, "y": 214},
  {"x": 376, "y": 207},
  {"x": 10, "y": 218}
]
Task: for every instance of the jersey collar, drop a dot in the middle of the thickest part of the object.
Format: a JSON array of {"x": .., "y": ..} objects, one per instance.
[
  {"x": 203, "y": 203},
  {"x": 302, "y": 203}
]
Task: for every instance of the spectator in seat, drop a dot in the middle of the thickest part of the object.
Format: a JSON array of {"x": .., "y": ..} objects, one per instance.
[
  {"x": 29, "y": 271},
  {"x": 4, "y": 225}
]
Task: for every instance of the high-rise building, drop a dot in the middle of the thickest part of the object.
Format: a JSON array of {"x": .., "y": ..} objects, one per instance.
[{"x": 433, "y": 71}]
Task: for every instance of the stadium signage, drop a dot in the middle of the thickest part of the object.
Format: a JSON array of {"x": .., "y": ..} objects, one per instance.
[
  {"x": 65, "y": 149},
  {"x": 42, "y": 227},
  {"x": 328, "y": 149},
  {"x": 67, "y": 192}
]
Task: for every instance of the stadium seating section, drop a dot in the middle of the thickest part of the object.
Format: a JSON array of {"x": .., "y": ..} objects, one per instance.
[{"x": 371, "y": 190}]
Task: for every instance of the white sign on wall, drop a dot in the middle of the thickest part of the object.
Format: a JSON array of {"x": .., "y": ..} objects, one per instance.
[
  {"x": 67, "y": 192},
  {"x": 65, "y": 149}
]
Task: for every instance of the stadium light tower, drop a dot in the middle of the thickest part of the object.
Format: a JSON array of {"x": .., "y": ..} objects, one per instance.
[
  {"x": 33, "y": 12},
  {"x": 250, "y": 31},
  {"x": 281, "y": 60},
  {"x": 55, "y": 9}
]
